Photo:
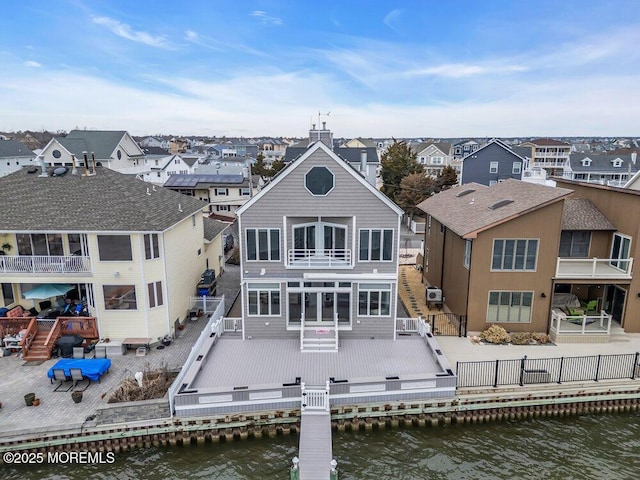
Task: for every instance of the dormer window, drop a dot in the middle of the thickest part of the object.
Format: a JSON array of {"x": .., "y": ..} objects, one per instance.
[
  {"x": 586, "y": 162},
  {"x": 617, "y": 162}
]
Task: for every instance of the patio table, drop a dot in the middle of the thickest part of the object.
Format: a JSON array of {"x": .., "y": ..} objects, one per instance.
[{"x": 92, "y": 368}]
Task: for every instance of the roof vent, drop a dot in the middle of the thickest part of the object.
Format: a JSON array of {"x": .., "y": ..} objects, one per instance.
[
  {"x": 60, "y": 171},
  {"x": 500, "y": 203},
  {"x": 465, "y": 192},
  {"x": 32, "y": 170}
]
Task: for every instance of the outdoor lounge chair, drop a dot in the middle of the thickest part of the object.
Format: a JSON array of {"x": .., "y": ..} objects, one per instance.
[
  {"x": 58, "y": 374},
  {"x": 78, "y": 377},
  {"x": 78, "y": 352}
]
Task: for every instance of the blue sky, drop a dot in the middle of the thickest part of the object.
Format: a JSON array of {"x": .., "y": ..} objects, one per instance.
[{"x": 428, "y": 68}]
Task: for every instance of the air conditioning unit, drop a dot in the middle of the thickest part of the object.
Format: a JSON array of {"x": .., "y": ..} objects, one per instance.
[{"x": 434, "y": 294}]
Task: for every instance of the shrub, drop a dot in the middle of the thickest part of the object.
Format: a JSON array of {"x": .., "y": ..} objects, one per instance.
[{"x": 495, "y": 334}]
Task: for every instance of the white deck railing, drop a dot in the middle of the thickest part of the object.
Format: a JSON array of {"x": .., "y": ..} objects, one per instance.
[
  {"x": 409, "y": 325},
  {"x": 232, "y": 324},
  {"x": 315, "y": 398},
  {"x": 581, "y": 324},
  {"x": 319, "y": 258},
  {"x": 423, "y": 327},
  {"x": 44, "y": 264},
  {"x": 302, "y": 331},
  {"x": 594, "y": 268},
  {"x": 335, "y": 326}
]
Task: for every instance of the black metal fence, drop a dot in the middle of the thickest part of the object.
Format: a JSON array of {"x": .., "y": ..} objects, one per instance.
[
  {"x": 526, "y": 371},
  {"x": 448, "y": 324}
]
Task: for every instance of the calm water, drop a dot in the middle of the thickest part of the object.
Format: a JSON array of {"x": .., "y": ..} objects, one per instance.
[{"x": 584, "y": 447}]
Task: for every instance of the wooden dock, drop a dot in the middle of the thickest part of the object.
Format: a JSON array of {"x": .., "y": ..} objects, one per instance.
[
  {"x": 315, "y": 452},
  {"x": 315, "y": 446}
]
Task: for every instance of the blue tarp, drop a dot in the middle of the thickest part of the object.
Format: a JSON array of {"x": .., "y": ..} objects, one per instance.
[{"x": 92, "y": 368}]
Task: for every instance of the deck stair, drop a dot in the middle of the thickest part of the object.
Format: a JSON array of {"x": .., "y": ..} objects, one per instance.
[
  {"x": 38, "y": 350},
  {"x": 319, "y": 337}
]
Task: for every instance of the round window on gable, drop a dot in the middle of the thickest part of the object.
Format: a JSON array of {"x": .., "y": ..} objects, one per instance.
[
  {"x": 319, "y": 180},
  {"x": 56, "y": 154}
]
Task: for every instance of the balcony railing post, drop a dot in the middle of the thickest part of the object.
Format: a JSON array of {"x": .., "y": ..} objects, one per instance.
[
  {"x": 635, "y": 365},
  {"x": 598, "y": 368},
  {"x": 495, "y": 378}
]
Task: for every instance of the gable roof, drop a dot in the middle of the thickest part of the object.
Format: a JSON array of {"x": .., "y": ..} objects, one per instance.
[
  {"x": 581, "y": 214},
  {"x": 213, "y": 228},
  {"x": 101, "y": 142},
  {"x": 14, "y": 148},
  {"x": 339, "y": 161},
  {"x": 497, "y": 142},
  {"x": 479, "y": 209},
  {"x": 108, "y": 201},
  {"x": 350, "y": 154}
]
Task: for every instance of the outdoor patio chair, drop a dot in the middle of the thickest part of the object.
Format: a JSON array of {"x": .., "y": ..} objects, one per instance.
[
  {"x": 58, "y": 374},
  {"x": 100, "y": 352},
  {"x": 78, "y": 377},
  {"x": 590, "y": 306},
  {"x": 78, "y": 352}
]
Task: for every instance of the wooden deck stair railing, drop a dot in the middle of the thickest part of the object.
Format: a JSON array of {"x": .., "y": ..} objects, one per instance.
[{"x": 86, "y": 327}]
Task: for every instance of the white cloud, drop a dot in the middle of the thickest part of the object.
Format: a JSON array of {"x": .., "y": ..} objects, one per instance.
[
  {"x": 265, "y": 19},
  {"x": 125, "y": 31},
  {"x": 31, "y": 63},
  {"x": 459, "y": 70},
  {"x": 391, "y": 17}
]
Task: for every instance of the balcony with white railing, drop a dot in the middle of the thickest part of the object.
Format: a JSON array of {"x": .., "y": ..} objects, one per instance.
[
  {"x": 56, "y": 264},
  {"x": 580, "y": 328},
  {"x": 319, "y": 258},
  {"x": 594, "y": 268}
]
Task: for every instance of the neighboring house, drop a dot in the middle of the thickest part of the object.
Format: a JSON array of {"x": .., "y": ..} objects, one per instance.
[
  {"x": 312, "y": 259},
  {"x": 133, "y": 251},
  {"x": 463, "y": 148},
  {"x": 272, "y": 150},
  {"x": 178, "y": 145},
  {"x": 523, "y": 255},
  {"x": 360, "y": 143},
  {"x": 115, "y": 150},
  {"x": 13, "y": 156},
  {"x": 224, "y": 193},
  {"x": 153, "y": 142},
  {"x": 550, "y": 154},
  {"x": 434, "y": 157},
  {"x": 492, "y": 163},
  {"x": 364, "y": 160},
  {"x": 161, "y": 167},
  {"x": 610, "y": 169}
]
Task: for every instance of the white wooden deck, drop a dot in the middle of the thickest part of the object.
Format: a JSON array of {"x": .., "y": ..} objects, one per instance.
[
  {"x": 237, "y": 362},
  {"x": 315, "y": 446}
]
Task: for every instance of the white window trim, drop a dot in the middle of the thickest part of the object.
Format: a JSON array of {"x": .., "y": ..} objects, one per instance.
[
  {"x": 260, "y": 288},
  {"x": 493, "y": 167},
  {"x": 269, "y": 230},
  {"x": 382, "y": 230},
  {"x": 382, "y": 288},
  {"x": 516, "y": 168},
  {"x": 466, "y": 261},
  {"x": 523, "y": 270}
]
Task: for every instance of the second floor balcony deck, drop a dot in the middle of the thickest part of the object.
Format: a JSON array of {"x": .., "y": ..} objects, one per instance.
[
  {"x": 319, "y": 258},
  {"x": 594, "y": 268},
  {"x": 54, "y": 264}
]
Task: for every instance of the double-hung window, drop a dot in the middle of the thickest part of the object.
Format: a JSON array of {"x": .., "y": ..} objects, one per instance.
[
  {"x": 516, "y": 168},
  {"x": 376, "y": 245},
  {"x": 155, "y": 294},
  {"x": 264, "y": 299},
  {"x": 263, "y": 244},
  {"x": 493, "y": 167},
  {"x": 374, "y": 299},
  {"x": 514, "y": 255},
  {"x": 509, "y": 307},
  {"x": 151, "y": 247}
]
